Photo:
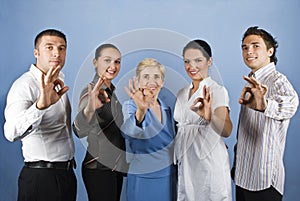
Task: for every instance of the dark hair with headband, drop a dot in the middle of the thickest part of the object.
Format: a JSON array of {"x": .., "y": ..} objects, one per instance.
[
  {"x": 102, "y": 47},
  {"x": 200, "y": 45}
]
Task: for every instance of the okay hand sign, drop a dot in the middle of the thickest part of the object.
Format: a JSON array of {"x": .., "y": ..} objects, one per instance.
[{"x": 254, "y": 96}]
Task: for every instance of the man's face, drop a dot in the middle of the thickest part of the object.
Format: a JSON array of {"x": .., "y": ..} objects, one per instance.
[
  {"x": 255, "y": 52},
  {"x": 51, "y": 51}
]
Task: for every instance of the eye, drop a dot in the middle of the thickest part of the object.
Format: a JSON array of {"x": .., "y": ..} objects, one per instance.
[
  {"x": 62, "y": 48},
  {"x": 157, "y": 76},
  {"x": 186, "y": 61},
  {"x": 198, "y": 60},
  {"x": 145, "y": 76},
  {"x": 117, "y": 62},
  {"x": 107, "y": 60},
  {"x": 244, "y": 48},
  {"x": 48, "y": 47}
]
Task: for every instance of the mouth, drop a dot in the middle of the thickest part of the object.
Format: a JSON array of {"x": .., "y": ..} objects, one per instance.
[
  {"x": 193, "y": 72},
  {"x": 251, "y": 58},
  {"x": 110, "y": 71}
]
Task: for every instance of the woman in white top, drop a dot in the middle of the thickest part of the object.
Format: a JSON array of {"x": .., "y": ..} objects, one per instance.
[{"x": 202, "y": 116}]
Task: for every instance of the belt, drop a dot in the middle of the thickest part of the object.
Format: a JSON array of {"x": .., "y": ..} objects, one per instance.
[{"x": 52, "y": 165}]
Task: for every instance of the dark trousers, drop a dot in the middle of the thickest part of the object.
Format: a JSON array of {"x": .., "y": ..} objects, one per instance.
[
  {"x": 45, "y": 184},
  {"x": 102, "y": 184},
  {"x": 269, "y": 194}
]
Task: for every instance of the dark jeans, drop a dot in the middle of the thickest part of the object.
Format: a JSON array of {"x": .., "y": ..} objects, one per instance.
[
  {"x": 269, "y": 194},
  {"x": 45, "y": 184},
  {"x": 102, "y": 184}
]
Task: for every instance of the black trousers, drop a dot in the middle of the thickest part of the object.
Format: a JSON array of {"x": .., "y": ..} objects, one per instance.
[
  {"x": 102, "y": 184},
  {"x": 46, "y": 184},
  {"x": 269, "y": 194}
]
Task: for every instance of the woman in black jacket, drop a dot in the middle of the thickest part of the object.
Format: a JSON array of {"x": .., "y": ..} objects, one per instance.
[{"x": 99, "y": 118}]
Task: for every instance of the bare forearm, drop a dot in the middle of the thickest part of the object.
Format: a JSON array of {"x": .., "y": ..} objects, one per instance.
[
  {"x": 221, "y": 126},
  {"x": 140, "y": 115}
]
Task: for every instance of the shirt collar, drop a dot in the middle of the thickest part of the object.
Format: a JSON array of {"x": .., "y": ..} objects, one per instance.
[
  {"x": 265, "y": 71},
  {"x": 206, "y": 81},
  {"x": 38, "y": 73}
]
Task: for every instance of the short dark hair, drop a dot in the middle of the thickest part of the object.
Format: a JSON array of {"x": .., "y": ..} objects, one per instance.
[
  {"x": 267, "y": 37},
  {"x": 48, "y": 32},
  {"x": 200, "y": 45},
  {"x": 102, "y": 47}
]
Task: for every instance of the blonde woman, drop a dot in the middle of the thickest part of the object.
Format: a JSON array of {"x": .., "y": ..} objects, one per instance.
[{"x": 149, "y": 134}]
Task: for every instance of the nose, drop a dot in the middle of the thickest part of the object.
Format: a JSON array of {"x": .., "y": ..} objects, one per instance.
[
  {"x": 250, "y": 50},
  {"x": 55, "y": 52}
]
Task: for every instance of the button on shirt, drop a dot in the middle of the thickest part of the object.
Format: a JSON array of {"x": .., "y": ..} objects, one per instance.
[
  {"x": 262, "y": 135},
  {"x": 45, "y": 134}
]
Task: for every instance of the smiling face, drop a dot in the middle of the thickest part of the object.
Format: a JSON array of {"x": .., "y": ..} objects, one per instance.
[
  {"x": 51, "y": 51},
  {"x": 151, "y": 78},
  {"x": 255, "y": 52},
  {"x": 108, "y": 63},
  {"x": 196, "y": 64}
]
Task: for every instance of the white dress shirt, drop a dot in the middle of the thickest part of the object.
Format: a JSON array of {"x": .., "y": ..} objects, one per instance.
[{"x": 45, "y": 134}]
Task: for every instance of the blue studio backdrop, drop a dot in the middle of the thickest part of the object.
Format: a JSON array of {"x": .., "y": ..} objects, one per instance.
[{"x": 144, "y": 28}]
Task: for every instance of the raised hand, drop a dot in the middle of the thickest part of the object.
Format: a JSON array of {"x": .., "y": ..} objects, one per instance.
[
  {"x": 51, "y": 89},
  {"x": 254, "y": 96},
  {"x": 96, "y": 98},
  {"x": 142, "y": 97},
  {"x": 202, "y": 106}
]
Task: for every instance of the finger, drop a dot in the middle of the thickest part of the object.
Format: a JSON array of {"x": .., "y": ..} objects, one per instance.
[
  {"x": 58, "y": 85},
  {"x": 48, "y": 78},
  {"x": 252, "y": 80},
  {"x": 136, "y": 83},
  {"x": 246, "y": 95},
  {"x": 43, "y": 80},
  {"x": 248, "y": 79},
  {"x": 198, "y": 103},
  {"x": 99, "y": 84},
  {"x": 56, "y": 71},
  {"x": 90, "y": 87},
  {"x": 207, "y": 94},
  {"x": 244, "y": 91},
  {"x": 103, "y": 96},
  {"x": 131, "y": 85},
  {"x": 63, "y": 91},
  {"x": 147, "y": 92},
  {"x": 128, "y": 92},
  {"x": 265, "y": 88},
  {"x": 59, "y": 82}
]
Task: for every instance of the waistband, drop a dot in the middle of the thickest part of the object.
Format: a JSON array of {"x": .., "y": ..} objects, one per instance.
[{"x": 67, "y": 165}]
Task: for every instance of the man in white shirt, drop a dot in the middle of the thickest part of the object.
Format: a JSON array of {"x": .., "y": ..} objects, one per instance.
[
  {"x": 268, "y": 102},
  {"x": 38, "y": 113}
]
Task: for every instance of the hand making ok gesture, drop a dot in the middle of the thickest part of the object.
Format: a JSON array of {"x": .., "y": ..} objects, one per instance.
[
  {"x": 202, "y": 106},
  {"x": 142, "y": 97},
  {"x": 51, "y": 89},
  {"x": 254, "y": 96},
  {"x": 96, "y": 98}
]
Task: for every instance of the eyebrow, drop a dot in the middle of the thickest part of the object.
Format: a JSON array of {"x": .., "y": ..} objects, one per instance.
[
  {"x": 111, "y": 57},
  {"x": 253, "y": 43},
  {"x": 55, "y": 45}
]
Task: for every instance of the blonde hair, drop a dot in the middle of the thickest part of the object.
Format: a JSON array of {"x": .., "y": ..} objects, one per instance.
[{"x": 149, "y": 62}]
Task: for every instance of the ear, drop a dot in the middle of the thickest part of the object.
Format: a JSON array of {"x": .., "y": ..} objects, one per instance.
[
  {"x": 270, "y": 51},
  {"x": 95, "y": 62},
  {"x": 35, "y": 53},
  {"x": 210, "y": 61}
]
